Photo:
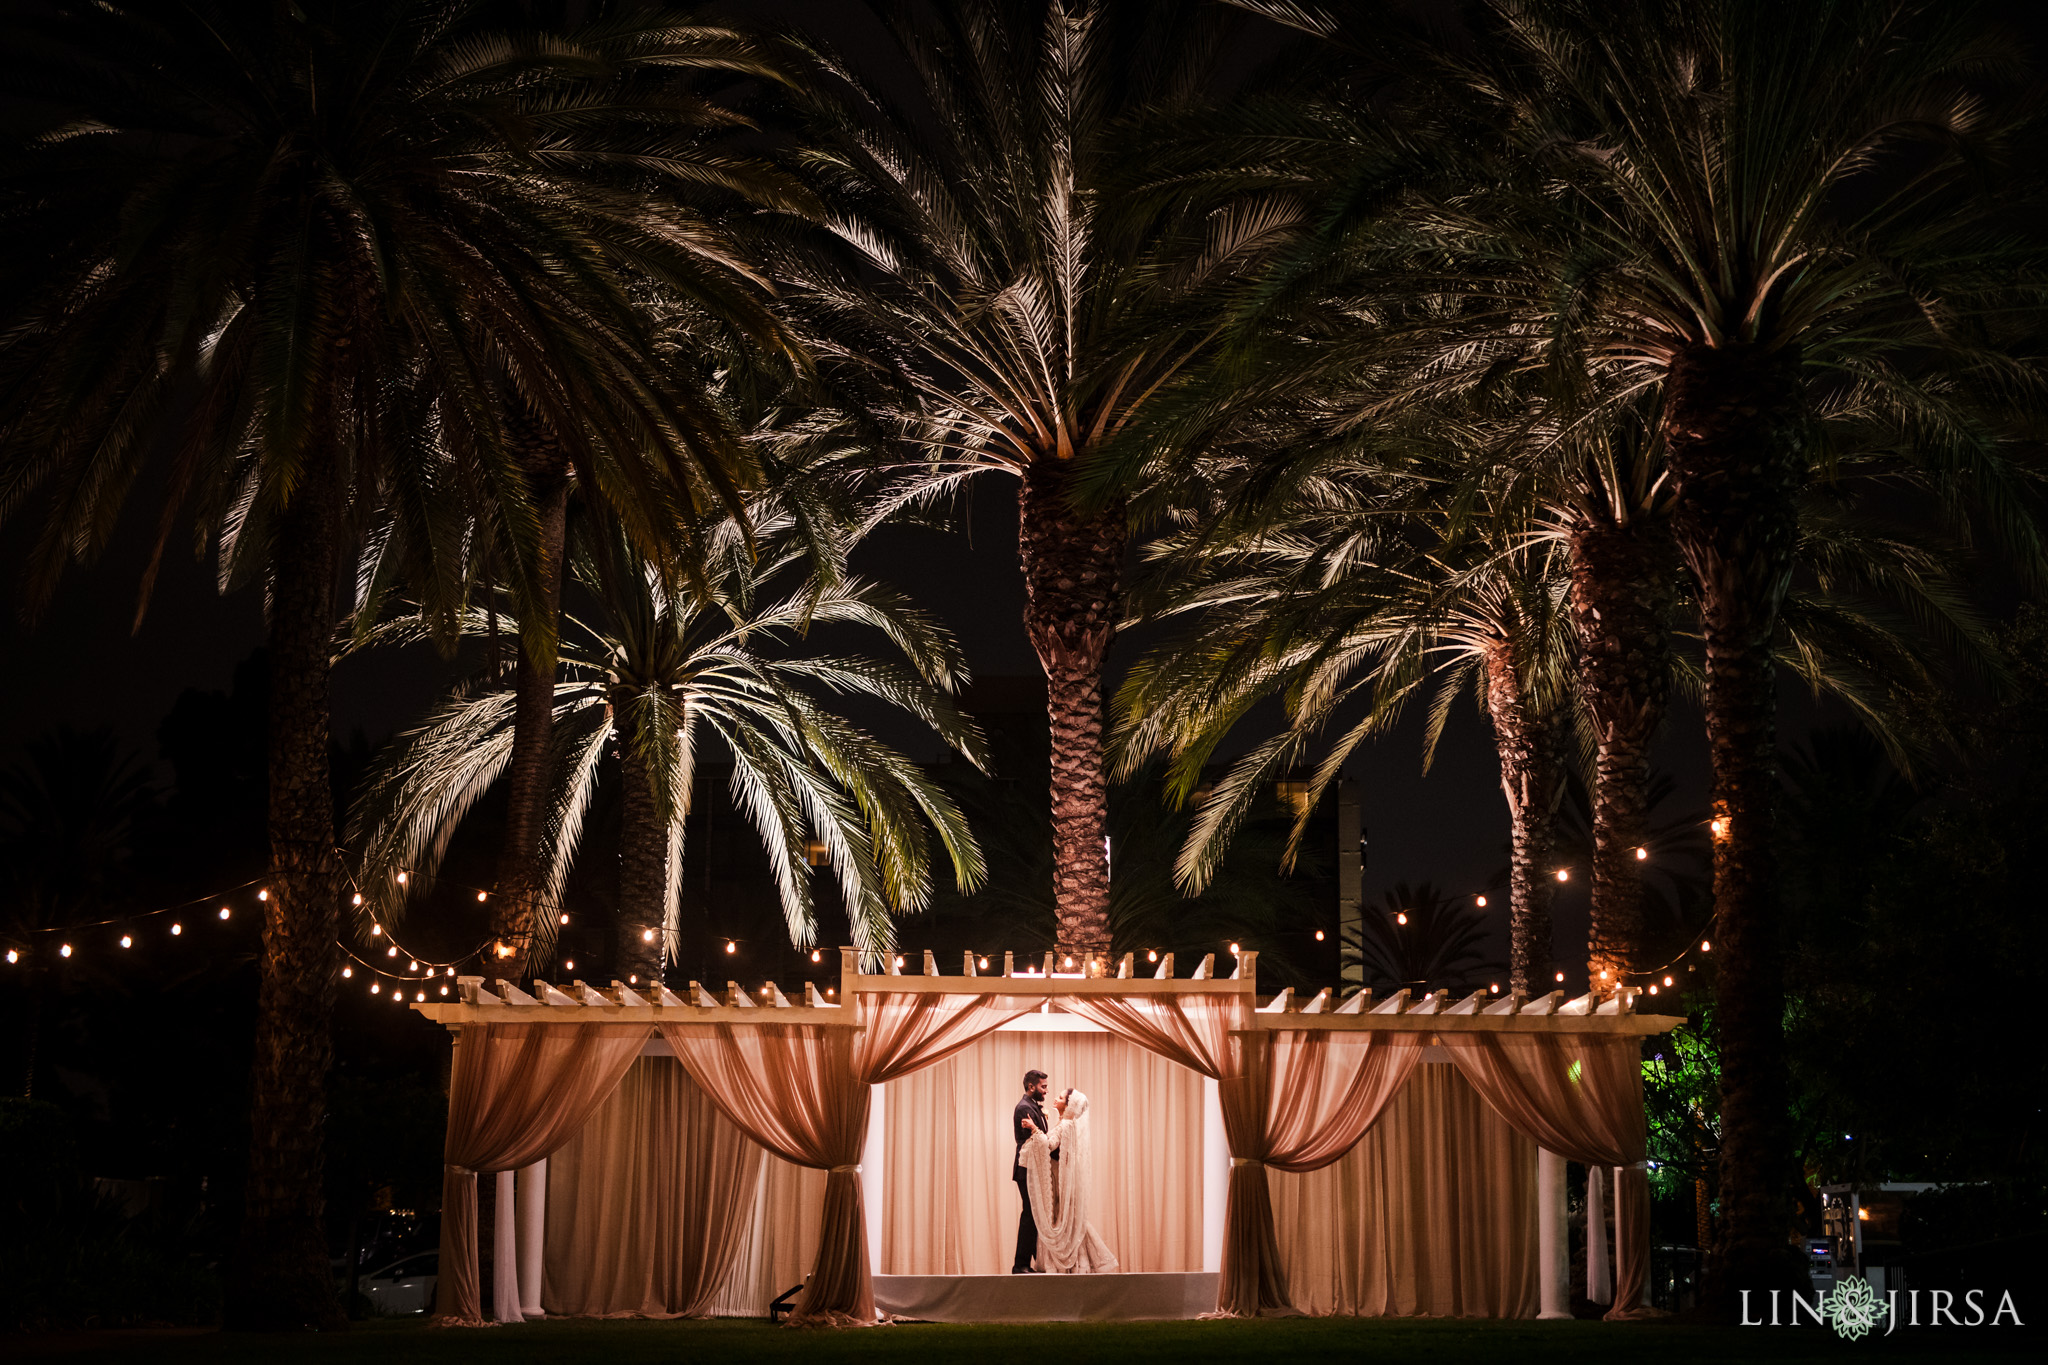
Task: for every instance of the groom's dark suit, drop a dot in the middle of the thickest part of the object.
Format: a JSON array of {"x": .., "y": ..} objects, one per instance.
[{"x": 1027, "y": 1226}]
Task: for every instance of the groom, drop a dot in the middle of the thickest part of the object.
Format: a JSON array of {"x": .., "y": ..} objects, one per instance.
[{"x": 1028, "y": 1113}]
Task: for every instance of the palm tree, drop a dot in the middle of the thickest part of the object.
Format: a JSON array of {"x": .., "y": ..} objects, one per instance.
[
  {"x": 1425, "y": 941},
  {"x": 1321, "y": 602},
  {"x": 1749, "y": 211},
  {"x": 1010, "y": 299},
  {"x": 295, "y": 251},
  {"x": 652, "y": 674}
]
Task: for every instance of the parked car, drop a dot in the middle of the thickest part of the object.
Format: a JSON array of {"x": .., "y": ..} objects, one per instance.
[{"x": 403, "y": 1287}]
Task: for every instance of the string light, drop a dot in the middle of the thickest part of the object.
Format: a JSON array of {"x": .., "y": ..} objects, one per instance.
[
  {"x": 1560, "y": 976},
  {"x": 1642, "y": 855},
  {"x": 1493, "y": 988},
  {"x": 392, "y": 951},
  {"x": 1319, "y": 936},
  {"x": 358, "y": 899},
  {"x": 412, "y": 966},
  {"x": 483, "y": 895},
  {"x": 1481, "y": 900},
  {"x": 1667, "y": 980},
  {"x": 264, "y": 894},
  {"x": 13, "y": 957},
  {"x": 422, "y": 996},
  {"x": 632, "y": 978},
  {"x": 375, "y": 987},
  {"x": 1706, "y": 946},
  {"x": 223, "y": 912},
  {"x": 1719, "y": 826},
  {"x": 1151, "y": 954},
  {"x": 731, "y": 947},
  {"x": 1233, "y": 949},
  {"x": 568, "y": 966},
  {"x": 375, "y": 930},
  {"x": 177, "y": 929},
  {"x": 444, "y": 990},
  {"x": 347, "y": 972},
  {"x": 65, "y": 951},
  {"x": 127, "y": 941},
  {"x": 1068, "y": 962},
  {"x": 817, "y": 956},
  {"x": 1564, "y": 874},
  {"x": 1603, "y": 975},
  {"x": 647, "y": 936},
  {"x": 983, "y": 962},
  {"x": 1400, "y": 917},
  {"x": 401, "y": 876},
  {"x": 565, "y": 917}
]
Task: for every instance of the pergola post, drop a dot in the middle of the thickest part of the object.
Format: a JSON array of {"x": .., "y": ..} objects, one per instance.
[
  {"x": 505, "y": 1251},
  {"x": 874, "y": 1184},
  {"x": 533, "y": 1218},
  {"x": 1553, "y": 1238},
  {"x": 1215, "y": 1175}
]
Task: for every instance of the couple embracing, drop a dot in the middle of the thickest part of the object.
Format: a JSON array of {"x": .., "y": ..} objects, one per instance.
[{"x": 1051, "y": 1172}]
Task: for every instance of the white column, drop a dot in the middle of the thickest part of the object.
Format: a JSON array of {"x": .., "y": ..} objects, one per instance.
[
  {"x": 1553, "y": 1238},
  {"x": 533, "y": 1222},
  {"x": 1215, "y": 1175},
  {"x": 1599, "y": 1288},
  {"x": 505, "y": 1254},
  {"x": 873, "y": 1172}
]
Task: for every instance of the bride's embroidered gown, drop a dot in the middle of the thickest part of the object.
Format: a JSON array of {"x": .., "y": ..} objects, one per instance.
[{"x": 1068, "y": 1243}]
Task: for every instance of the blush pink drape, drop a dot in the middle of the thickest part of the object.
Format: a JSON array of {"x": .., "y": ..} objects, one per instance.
[
  {"x": 649, "y": 1202},
  {"x": 1580, "y": 1096},
  {"x": 1293, "y": 1101},
  {"x": 517, "y": 1092},
  {"x": 801, "y": 1091}
]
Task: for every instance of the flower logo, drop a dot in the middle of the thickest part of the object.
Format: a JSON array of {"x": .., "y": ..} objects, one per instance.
[{"x": 1854, "y": 1308}]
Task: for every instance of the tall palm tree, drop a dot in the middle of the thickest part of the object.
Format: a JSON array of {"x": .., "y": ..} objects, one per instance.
[
  {"x": 1319, "y": 602},
  {"x": 293, "y": 251},
  {"x": 1008, "y": 298},
  {"x": 1750, "y": 211},
  {"x": 654, "y": 673}
]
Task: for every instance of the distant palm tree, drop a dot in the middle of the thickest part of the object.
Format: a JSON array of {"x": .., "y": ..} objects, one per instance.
[
  {"x": 1018, "y": 295},
  {"x": 301, "y": 254},
  {"x": 1424, "y": 941},
  {"x": 652, "y": 674}
]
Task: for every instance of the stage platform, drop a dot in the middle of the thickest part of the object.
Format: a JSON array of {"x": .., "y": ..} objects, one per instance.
[{"x": 1046, "y": 1298}]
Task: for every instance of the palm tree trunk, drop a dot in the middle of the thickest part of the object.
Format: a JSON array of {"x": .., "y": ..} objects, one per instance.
[
  {"x": 1532, "y": 781},
  {"x": 1620, "y": 603},
  {"x": 1732, "y": 428},
  {"x": 1073, "y": 569},
  {"x": 523, "y": 860},
  {"x": 283, "y": 1281},
  {"x": 643, "y": 863}
]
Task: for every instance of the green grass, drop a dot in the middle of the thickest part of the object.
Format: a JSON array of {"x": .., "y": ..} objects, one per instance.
[{"x": 1185, "y": 1343}]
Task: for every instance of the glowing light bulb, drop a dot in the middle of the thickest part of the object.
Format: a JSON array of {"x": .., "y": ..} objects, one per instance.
[
  {"x": 483, "y": 895},
  {"x": 565, "y": 918},
  {"x": 376, "y": 930},
  {"x": 982, "y": 963},
  {"x": 632, "y": 978},
  {"x": 451, "y": 971},
  {"x": 831, "y": 990},
  {"x": 1653, "y": 988},
  {"x": 1233, "y": 948},
  {"x": 1564, "y": 874},
  {"x": 647, "y": 936},
  {"x": 569, "y": 966},
  {"x": 899, "y": 961},
  {"x": 1151, "y": 954},
  {"x": 1706, "y": 946},
  {"x": 731, "y": 947},
  {"x": 127, "y": 942},
  {"x": 347, "y": 972},
  {"x": 1642, "y": 854},
  {"x": 356, "y": 899},
  {"x": 375, "y": 988},
  {"x": 65, "y": 951},
  {"x": 1667, "y": 980},
  {"x": 1068, "y": 962},
  {"x": 817, "y": 956},
  {"x": 392, "y": 951},
  {"x": 264, "y": 894},
  {"x": 1493, "y": 988},
  {"x": 13, "y": 956},
  {"x": 444, "y": 990},
  {"x": 1560, "y": 976},
  {"x": 1481, "y": 901},
  {"x": 420, "y": 997},
  {"x": 1719, "y": 826},
  {"x": 401, "y": 878},
  {"x": 177, "y": 929},
  {"x": 1603, "y": 975},
  {"x": 1400, "y": 917},
  {"x": 764, "y": 990},
  {"x": 223, "y": 912},
  {"x": 412, "y": 966},
  {"x": 1319, "y": 936}
]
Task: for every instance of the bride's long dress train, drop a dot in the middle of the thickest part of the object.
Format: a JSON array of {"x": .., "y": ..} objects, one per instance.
[{"x": 1068, "y": 1243}]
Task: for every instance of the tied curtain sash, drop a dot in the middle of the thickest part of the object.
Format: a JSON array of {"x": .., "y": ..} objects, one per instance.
[
  {"x": 801, "y": 1091},
  {"x": 1580, "y": 1096},
  {"x": 1292, "y": 1101},
  {"x": 517, "y": 1092}
]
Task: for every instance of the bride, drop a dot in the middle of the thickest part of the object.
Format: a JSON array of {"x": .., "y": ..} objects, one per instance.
[{"x": 1068, "y": 1243}]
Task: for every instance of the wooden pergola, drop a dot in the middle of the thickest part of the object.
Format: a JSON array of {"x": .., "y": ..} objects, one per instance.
[{"x": 1430, "y": 1016}]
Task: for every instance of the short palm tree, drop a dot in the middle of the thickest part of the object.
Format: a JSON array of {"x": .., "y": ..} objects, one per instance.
[
  {"x": 1007, "y": 298},
  {"x": 300, "y": 255},
  {"x": 653, "y": 673}
]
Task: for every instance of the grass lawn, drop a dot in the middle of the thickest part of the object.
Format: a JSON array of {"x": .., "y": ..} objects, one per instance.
[{"x": 1188, "y": 1343}]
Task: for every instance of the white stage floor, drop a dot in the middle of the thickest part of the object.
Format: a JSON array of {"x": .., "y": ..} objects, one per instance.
[{"x": 1046, "y": 1298}]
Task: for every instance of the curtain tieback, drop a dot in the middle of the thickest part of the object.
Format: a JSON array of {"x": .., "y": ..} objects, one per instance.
[
  {"x": 460, "y": 1170},
  {"x": 1246, "y": 1161},
  {"x": 835, "y": 1170}
]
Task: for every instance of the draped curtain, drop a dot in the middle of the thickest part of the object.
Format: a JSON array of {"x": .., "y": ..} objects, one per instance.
[
  {"x": 1431, "y": 1214},
  {"x": 1293, "y": 1101},
  {"x": 951, "y": 1207},
  {"x": 649, "y": 1203},
  {"x": 801, "y": 1091},
  {"x": 1580, "y": 1096},
  {"x": 517, "y": 1092}
]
